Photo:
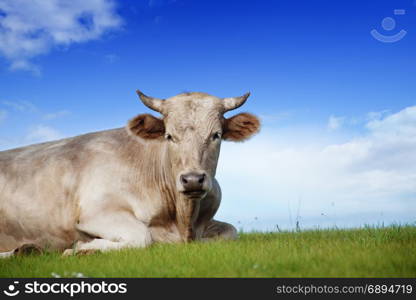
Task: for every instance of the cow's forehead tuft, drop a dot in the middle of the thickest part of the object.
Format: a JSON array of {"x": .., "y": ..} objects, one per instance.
[
  {"x": 193, "y": 101},
  {"x": 192, "y": 96}
]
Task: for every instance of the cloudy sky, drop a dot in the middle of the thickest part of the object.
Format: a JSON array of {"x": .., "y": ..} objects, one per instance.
[{"x": 337, "y": 102}]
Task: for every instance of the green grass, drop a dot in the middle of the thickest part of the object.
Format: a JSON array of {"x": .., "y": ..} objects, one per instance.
[{"x": 366, "y": 252}]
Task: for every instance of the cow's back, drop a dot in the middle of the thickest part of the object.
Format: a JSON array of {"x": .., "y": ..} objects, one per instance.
[{"x": 39, "y": 188}]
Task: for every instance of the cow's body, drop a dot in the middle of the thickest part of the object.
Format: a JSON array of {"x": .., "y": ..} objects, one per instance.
[{"x": 103, "y": 190}]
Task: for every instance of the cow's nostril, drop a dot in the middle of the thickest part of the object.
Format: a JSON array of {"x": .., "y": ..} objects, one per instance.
[
  {"x": 183, "y": 179},
  {"x": 202, "y": 178}
]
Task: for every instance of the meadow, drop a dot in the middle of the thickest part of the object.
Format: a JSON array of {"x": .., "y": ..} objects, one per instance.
[{"x": 365, "y": 252}]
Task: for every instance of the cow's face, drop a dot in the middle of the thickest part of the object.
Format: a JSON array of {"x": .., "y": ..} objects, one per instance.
[{"x": 192, "y": 127}]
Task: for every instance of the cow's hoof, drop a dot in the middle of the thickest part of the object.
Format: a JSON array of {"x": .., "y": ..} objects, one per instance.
[
  {"x": 86, "y": 251},
  {"x": 68, "y": 252},
  {"x": 28, "y": 249}
]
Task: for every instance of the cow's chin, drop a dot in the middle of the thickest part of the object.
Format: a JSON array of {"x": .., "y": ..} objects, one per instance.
[{"x": 194, "y": 194}]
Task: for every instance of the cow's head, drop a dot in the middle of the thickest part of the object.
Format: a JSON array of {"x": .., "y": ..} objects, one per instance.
[
  {"x": 193, "y": 126},
  {"x": 191, "y": 129}
]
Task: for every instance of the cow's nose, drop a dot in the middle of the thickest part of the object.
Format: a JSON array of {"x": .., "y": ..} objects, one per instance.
[{"x": 192, "y": 181}]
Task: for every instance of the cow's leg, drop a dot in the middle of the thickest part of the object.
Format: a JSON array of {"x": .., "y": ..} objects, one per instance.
[
  {"x": 25, "y": 249},
  {"x": 113, "y": 232},
  {"x": 100, "y": 245},
  {"x": 6, "y": 254},
  {"x": 219, "y": 230}
]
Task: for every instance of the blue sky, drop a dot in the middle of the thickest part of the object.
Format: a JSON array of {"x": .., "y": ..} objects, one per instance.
[{"x": 338, "y": 106}]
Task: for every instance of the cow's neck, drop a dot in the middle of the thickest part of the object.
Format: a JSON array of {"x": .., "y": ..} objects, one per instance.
[
  {"x": 186, "y": 210},
  {"x": 158, "y": 174}
]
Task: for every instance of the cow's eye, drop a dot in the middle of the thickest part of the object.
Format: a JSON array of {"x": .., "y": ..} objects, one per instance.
[
  {"x": 216, "y": 136},
  {"x": 168, "y": 137}
]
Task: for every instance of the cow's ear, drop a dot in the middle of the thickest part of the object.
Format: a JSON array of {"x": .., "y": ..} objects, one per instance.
[
  {"x": 240, "y": 127},
  {"x": 146, "y": 126}
]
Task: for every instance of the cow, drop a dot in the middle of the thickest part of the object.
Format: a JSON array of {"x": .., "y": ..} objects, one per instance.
[{"x": 151, "y": 181}]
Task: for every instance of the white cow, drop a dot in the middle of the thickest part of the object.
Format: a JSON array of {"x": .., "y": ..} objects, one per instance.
[{"x": 153, "y": 181}]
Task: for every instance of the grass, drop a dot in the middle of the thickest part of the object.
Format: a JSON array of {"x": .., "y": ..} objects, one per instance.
[{"x": 365, "y": 252}]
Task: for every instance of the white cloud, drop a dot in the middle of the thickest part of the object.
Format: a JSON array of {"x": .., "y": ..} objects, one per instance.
[
  {"x": 22, "y": 129},
  {"x": 32, "y": 28},
  {"x": 275, "y": 117},
  {"x": 395, "y": 125},
  {"x": 56, "y": 115},
  {"x": 28, "y": 107},
  {"x": 371, "y": 174},
  {"x": 29, "y": 135},
  {"x": 42, "y": 133},
  {"x": 3, "y": 115},
  {"x": 377, "y": 115},
  {"x": 335, "y": 123},
  {"x": 21, "y": 106}
]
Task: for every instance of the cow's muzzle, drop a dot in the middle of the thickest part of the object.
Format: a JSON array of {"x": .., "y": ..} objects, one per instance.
[{"x": 193, "y": 184}]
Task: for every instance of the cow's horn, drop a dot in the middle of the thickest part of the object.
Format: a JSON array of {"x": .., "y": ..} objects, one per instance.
[
  {"x": 234, "y": 102},
  {"x": 152, "y": 103}
]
